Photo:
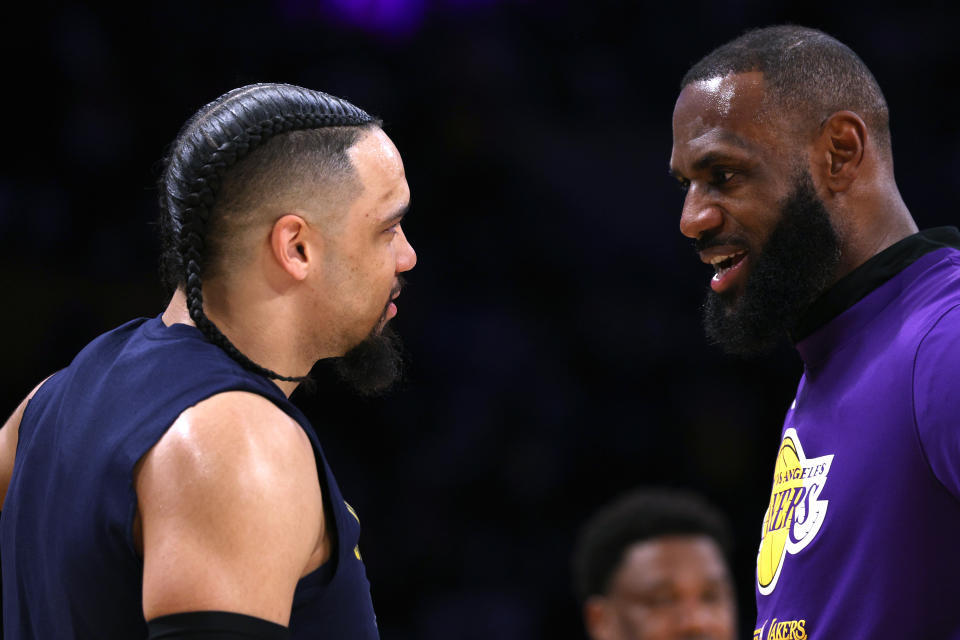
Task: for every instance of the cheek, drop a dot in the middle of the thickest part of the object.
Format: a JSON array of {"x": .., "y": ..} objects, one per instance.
[
  {"x": 639, "y": 621},
  {"x": 723, "y": 617}
]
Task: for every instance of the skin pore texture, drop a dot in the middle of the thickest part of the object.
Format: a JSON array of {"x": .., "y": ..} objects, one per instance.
[
  {"x": 742, "y": 158},
  {"x": 672, "y": 587},
  {"x": 230, "y": 510}
]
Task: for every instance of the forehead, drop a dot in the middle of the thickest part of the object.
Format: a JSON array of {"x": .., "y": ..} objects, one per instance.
[
  {"x": 380, "y": 171},
  {"x": 689, "y": 560},
  {"x": 723, "y": 111},
  {"x": 376, "y": 158}
]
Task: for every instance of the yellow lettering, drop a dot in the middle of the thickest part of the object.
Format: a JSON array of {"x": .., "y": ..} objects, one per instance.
[
  {"x": 785, "y": 498},
  {"x": 784, "y": 630}
]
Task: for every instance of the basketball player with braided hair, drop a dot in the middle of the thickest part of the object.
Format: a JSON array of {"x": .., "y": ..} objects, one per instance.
[{"x": 162, "y": 485}]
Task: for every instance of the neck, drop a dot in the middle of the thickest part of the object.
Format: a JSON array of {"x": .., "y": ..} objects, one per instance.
[
  {"x": 882, "y": 222},
  {"x": 256, "y": 330}
]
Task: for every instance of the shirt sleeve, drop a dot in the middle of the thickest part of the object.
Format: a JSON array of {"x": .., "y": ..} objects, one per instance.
[{"x": 936, "y": 398}]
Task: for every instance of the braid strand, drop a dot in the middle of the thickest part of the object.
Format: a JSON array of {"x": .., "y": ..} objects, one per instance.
[{"x": 198, "y": 202}]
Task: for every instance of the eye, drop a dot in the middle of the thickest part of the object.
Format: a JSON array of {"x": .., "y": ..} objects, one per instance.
[
  {"x": 391, "y": 233},
  {"x": 722, "y": 176},
  {"x": 715, "y": 593},
  {"x": 658, "y": 599},
  {"x": 711, "y": 595},
  {"x": 684, "y": 184}
]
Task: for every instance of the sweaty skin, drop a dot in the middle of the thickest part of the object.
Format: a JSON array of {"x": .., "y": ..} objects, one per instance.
[
  {"x": 737, "y": 154},
  {"x": 230, "y": 512},
  {"x": 329, "y": 283},
  {"x": 732, "y": 158},
  {"x": 254, "y": 515}
]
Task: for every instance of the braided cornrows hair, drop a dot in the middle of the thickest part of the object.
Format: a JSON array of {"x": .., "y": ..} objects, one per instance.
[{"x": 215, "y": 139}]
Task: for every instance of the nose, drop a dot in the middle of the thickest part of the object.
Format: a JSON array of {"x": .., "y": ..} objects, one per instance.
[
  {"x": 699, "y": 214},
  {"x": 406, "y": 256},
  {"x": 696, "y": 620}
]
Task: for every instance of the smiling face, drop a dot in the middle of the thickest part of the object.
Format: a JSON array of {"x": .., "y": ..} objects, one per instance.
[
  {"x": 752, "y": 211},
  {"x": 731, "y": 157}
]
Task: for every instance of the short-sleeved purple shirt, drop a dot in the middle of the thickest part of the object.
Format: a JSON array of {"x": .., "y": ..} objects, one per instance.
[{"x": 861, "y": 538}]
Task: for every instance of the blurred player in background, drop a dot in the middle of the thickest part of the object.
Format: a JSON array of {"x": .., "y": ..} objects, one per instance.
[
  {"x": 163, "y": 485},
  {"x": 781, "y": 139},
  {"x": 653, "y": 565}
]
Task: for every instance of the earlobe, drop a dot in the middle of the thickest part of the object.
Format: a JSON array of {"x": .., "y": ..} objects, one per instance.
[
  {"x": 289, "y": 245},
  {"x": 843, "y": 137}
]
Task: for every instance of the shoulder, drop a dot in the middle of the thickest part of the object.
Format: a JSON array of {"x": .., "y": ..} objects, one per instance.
[
  {"x": 929, "y": 312},
  {"x": 936, "y": 362},
  {"x": 232, "y": 438},
  {"x": 936, "y": 401},
  {"x": 229, "y": 509},
  {"x": 941, "y": 334}
]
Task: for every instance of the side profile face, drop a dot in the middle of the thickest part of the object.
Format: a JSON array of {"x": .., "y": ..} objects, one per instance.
[
  {"x": 670, "y": 588},
  {"x": 365, "y": 252},
  {"x": 736, "y": 166},
  {"x": 752, "y": 209}
]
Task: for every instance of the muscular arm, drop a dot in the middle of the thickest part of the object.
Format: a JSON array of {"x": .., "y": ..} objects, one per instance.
[
  {"x": 9, "y": 436},
  {"x": 230, "y": 511}
]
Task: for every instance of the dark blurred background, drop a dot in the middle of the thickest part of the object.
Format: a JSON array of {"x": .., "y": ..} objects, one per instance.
[{"x": 557, "y": 357}]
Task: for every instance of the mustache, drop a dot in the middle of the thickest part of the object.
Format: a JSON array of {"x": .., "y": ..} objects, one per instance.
[
  {"x": 394, "y": 292},
  {"x": 715, "y": 238},
  {"x": 398, "y": 287}
]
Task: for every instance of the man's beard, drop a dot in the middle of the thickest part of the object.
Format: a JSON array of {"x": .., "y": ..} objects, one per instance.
[
  {"x": 376, "y": 364},
  {"x": 796, "y": 264}
]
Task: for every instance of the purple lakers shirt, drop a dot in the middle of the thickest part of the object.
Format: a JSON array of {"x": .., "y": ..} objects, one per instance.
[{"x": 861, "y": 538}]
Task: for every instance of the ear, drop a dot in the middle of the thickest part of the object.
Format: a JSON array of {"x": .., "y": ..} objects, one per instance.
[
  {"x": 598, "y": 618},
  {"x": 840, "y": 147},
  {"x": 290, "y": 245}
]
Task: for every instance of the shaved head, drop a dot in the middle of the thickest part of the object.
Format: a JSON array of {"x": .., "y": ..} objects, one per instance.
[
  {"x": 306, "y": 171},
  {"x": 808, "y": 75}
]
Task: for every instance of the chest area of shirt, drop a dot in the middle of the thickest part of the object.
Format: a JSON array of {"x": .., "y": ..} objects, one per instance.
[{"x": 846, "y": 454}]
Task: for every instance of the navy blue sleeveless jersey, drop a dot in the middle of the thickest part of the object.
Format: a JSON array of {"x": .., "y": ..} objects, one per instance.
[{"x": 70, "y": 570}]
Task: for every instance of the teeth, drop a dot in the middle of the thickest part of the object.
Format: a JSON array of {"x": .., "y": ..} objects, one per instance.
[{"x": 719, "y": 259}]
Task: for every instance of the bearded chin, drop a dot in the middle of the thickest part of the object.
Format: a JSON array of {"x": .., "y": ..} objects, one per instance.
[
  {"x": 797, "y": 264},
  {"x": 374, "y": 365}
]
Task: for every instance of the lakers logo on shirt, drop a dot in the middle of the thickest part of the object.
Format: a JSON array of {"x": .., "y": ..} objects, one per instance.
[
  {"x": 783, "y": 630},
  {"x": 796, "y": 511}
]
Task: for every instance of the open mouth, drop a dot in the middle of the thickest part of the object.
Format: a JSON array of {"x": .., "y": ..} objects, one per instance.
[
  {"x": 723, "y": 264},
  {"x": 725, "y": 270}
]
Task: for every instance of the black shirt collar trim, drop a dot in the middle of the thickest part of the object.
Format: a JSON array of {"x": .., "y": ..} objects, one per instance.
[{"x": 854, "y": 286}]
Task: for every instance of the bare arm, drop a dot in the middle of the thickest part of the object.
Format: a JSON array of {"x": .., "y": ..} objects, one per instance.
[
  {"x": 230, "y": 510},
  {"x": 9, "y": 436}
]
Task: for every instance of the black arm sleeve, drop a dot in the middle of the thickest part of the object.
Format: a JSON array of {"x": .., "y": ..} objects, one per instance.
[{"x": 214, "y": 625}]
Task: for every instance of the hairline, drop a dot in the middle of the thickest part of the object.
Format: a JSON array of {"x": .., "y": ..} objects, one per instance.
[{"x": 289, "y": 198}]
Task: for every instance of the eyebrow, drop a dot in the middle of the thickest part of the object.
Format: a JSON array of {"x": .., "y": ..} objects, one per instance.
[
  {"x": 714, "y": 157},
  {"x": 397, "y": 215},
  {"x": 706, "y": 160}
]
